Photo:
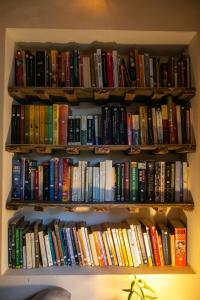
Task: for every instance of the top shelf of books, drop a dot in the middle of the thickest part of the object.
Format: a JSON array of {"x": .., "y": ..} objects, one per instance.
[{"x": 100, "y": 75}]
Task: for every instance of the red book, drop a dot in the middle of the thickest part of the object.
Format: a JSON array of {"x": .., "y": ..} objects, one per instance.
[
  {"x": 129, "y": 128},
  {"x": 180, "y": 243},
  {"x": 65, "y": 188},
  {"x": 126, "y": 180},
  {"x": 81, "y": 69},
  {"x": 63, "y": 124},
  {"x": 36, "y": 184},
  {"x": 19, "y": 68},
  {"x": 154, "y": 239},
  {"x": 67, "y": 68},
  {"x": 55, "y": 244},
  {"x": 109, "y": 61},
  {"x": 63, "y": 64},
  {"x": 22, "y": 125}
]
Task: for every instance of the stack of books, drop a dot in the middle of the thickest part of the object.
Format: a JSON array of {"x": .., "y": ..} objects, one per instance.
[
  {"x": 129, "y": 243},
  {"x": 51, "y": 124},
  {"x": 103, "y": 68},
  {"x": 59, "y": 180}
]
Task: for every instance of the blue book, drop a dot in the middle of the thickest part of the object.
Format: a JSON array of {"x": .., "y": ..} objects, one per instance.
[
  {"x": 60, "y": 176},
  {"x": 27, "y": 182},
  {"x": 32, "y": 169},
  {"x": 53, "y": 254},
  {"x": 50, "y": 124},
  {"x": 22, "y": 178},
  {"x": 66, "y": 244},
  {"x": 64, "y": 250},
  {"x": 16, "y": 172},
  {"x": 52, "y": 179}
]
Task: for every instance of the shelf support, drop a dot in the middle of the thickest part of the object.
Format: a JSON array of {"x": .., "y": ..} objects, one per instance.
[
  {"x": 134, "y": 150},
  {"x": 102, "y": 150},
  {"x": 44, "y": 150},
  {"x": 134, "y": 210}
]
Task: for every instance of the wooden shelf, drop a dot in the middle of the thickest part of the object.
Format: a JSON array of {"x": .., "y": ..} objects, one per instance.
[
  {"x": 111, "y": 270},
  {"x": 101, "y": 207},
  {"x": 101, "y": 149},
  {"x": 75, "y": 95}
]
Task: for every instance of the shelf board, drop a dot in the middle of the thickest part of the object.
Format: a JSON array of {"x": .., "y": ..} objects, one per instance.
[
  {"x": 100, "y": 149},
  {"x": 74, "y": 95},
  {"x": 132, "y": 207},
  {"x": 111, "y": 270}
]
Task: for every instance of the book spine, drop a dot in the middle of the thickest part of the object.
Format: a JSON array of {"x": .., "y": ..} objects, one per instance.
[
  {"x": 41, "y": 130},
  {"x": 42, "y": 249},
  {"x": 126, "y": 180},
  {"x": 129, "y": 128},
  {"x": 180, "y": 247},
  {"x": 150, "y": 125},
  {"x": 150, "y": 181},
  {"x": 155, "y": 245},
  {"x": 16, "y": 175},
  {"x": 142, "y": 181}
]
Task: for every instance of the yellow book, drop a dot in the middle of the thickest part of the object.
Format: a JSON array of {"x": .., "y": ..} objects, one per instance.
[
  {"x": 46, "y": 125},
  {"x": 31, "y": 124},
  {"x": 119, "y": 245},
  {"x": 128, "y": 250},
  {"x": 55, "y": 124},
  {"x": 123, "y": 247},
  {"x": 172, "y": 249},
  {"x": 93, "y": 249},
  {"x": 37, "y": 124},
  {"x": 84, "y": 260},
  {"x": 112, "y": 244},
  {"x": 97, "y": 246},
  {"x": 106, "y": 248},
  {"x": 41, "y": 124}
]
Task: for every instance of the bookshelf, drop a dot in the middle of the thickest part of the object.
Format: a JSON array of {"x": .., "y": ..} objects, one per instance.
[{"x": 74, "y": 96}]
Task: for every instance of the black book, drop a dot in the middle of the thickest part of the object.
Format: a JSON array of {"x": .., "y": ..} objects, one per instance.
[
  {"x": 71, "y": 130},
  {"x": 64, "y": 244},
  {"x": 18, "y": 124},
  {"x": 48, "y": 73},
  {"x": 132, "y": 70},
  {"x": 147, "y": 69},
  {"x": 27, "y": 181},
  {"x": 72, "y": 77},
  {"x": 76, "y": 258},
  {"x": 117, "y": 182},
  {"x": 46, "y": 181},
  {"x": 163, "y": 74},
  {"x": 106, "y": 125},
  {"x": 104, "y": 68},
  {"x": 146, "y": 229},
  {"x": 32, "y": 169},
  {"x": 183, "y": 124},
  {"x": 150, "y": 125},
  {"x": 115, "y": 125},
  {"x": 150, "y": 181},
  {"x": 21, "y": 227},
  {"x": 30, "y": 68},
  {"x": 90, "y": 130},
  {"x": 78, "y": 130},
  {"x": 122, "y": 126},
  {"x": 127, "y": 80},
  {"x": 122, "y": 186},
  {"x": 142, "y": 181},
  {"x": 40, "y": 68},
  {"x": 168, "y": 190},
  {"x": 14, "y": 125},
  {"x": 157, "y": 181},
  {"x": 76, "y": 67},
  {"x": 163, "y": 230}
]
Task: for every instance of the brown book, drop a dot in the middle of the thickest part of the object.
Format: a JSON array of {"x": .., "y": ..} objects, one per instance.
[
  {"x": 22, "y": 124},
  {"x": 141, "y": 69},
  {"x": 36, "y": 226},
  {"x": 143, "y": 125},
  {"x": 56, "y": 227}
]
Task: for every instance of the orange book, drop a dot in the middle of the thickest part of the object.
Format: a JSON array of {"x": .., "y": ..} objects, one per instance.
[
  {"x": 65, "y": 188},
  {"x": 180, "y": 243},
  {"x": 160, "y": 249},
  {"x": 97, "y": 246},
  {"x": 119, "y": 245}
]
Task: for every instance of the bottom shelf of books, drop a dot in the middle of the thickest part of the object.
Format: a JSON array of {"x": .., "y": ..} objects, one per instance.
[{"x": 131, "y": 246}]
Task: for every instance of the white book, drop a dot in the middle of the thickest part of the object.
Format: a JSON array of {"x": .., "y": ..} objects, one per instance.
[
  {"x": 115, "y": 68},
  {"x": 93, "y": 249},
  {"x": 113, "y": 183},
  {"x": 108, "y": 186},
  {"x": 29, "y": 264},
  {"x": 86, "y": 246},
  {"x": 178, "y": 122},
  {"x": 89, "y": 132},
  {"x": 148, "y": 252},
  {"x": 33, "y": 248},
  {"x": 102, "y": 180},
  {"x": 75, "y": 185},
  {"x": 109, "y": 247},
  {"x": 116, "y": 247},
  {"x": 48, "y": 250},
  {"x": 83, "y": 130},
  {"x": 24, "y": 258},
  {"x": 99, "y": 69},
  {"x": 162, "y": 181},
  {"x": 86, "y": 71},
  {"x": 42, "y": 248},
  {"x": 97, "y": 172},
  {"x": 185, "y": 181},
  {"x": 155, "y": 134},
  {"x": 133, "y": 247},
  {"x": 83, "y": 179},
  {"x": 90, "y": 184},
  {"x": 151, "y": 72},
  {"x": 94, "y": 183}
]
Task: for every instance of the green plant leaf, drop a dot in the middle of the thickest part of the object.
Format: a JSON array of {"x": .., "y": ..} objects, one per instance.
[
  {"x": 147, "y": 297},
  {"x": 146, "y": 286}
]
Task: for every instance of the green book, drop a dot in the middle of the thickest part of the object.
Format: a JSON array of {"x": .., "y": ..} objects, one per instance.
[
  {"x": 133, "y": 181},
  {"x": 46, "y": 125},
  {"x": 27, "y": 123}
]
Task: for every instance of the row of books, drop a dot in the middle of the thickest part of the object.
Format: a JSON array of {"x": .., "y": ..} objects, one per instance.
[
  {"x": 60, "y": 180},
  {"x": 129, "y": 243},
  {"x": 108, "y": 68},
  {"x": 51, "y": 124}
]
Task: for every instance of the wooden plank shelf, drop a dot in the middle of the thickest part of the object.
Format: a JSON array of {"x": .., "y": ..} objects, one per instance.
[
  {"x": 74, "y": 95},
  {"x": 101, "y": 149},
  {"x": 111, "y": 270},
  {"x": 97, "y": 207}
]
